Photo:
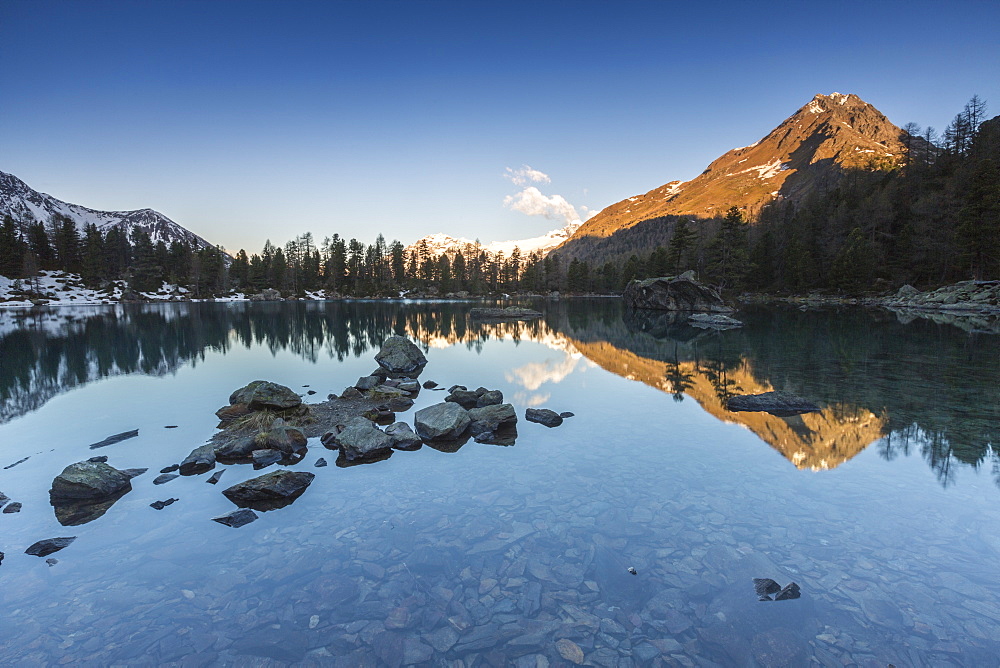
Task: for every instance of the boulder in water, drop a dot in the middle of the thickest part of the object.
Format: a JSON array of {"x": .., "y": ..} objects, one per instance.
[
  {"x": 444, "y": 421},
  {"x": 543, "y": 416},
  {"x": 680, "y": 293},
  {"x": 262, "y": 395},
  {"x": 399, "y": 355},
  {"x": 200, "y": 460},
  {"x": 270, "y": 491},
  {"x": 88, "y": 481}
]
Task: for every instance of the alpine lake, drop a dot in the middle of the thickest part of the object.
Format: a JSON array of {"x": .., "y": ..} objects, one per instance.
[{"x": 883, "y": 506}]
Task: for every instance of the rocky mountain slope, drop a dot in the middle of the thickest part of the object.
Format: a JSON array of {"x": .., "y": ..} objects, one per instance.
[
  {"x": 810, "y": 149},
  {"x": 26, "y": 205}
]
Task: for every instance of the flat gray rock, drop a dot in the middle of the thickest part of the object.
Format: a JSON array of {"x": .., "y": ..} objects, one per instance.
[
  {"x": 44, "y": 548},
  {"x": 272, "y": 490},
  {"x": 88, "y": 481},
  {"x": 444, "y": 421}
]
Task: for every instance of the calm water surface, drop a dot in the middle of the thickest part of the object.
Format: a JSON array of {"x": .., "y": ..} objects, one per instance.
[{"x": 884, "y": 507}]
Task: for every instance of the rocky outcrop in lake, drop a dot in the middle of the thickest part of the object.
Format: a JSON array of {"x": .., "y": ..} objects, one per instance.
[
  {"x": 399, "y": 355},
  {"x": 680, "y": 293}
]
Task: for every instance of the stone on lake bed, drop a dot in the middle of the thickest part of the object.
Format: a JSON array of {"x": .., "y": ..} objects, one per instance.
[
  {"x": 444, "y": 421},
  {"x": 272, "y": 490},
  {"x": 765, "y": 586},
  {"x": 13, "y": 507},
  {"x": 570, "y": 651},
  {"x": 44, "y": 548},
  {"x": 160, "y": 505},
  {"x": 236, "y": 518},
  {"x": 320, "y": 463},
  {"x": 215, "y": 477},
  {"x": 788, "y": 592},
  {"x": 777, "y": 403},
  {"x": 543, "y": 416},
  {"x": 164, "y": 478}
]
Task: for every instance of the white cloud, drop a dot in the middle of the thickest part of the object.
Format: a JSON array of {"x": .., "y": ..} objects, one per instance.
[
  {"x": 532, "y": 202},
  {"x": 526, "y": 175}
]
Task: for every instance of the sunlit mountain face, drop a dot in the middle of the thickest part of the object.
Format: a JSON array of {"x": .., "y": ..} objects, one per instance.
[{"x": 855, "y": 365}]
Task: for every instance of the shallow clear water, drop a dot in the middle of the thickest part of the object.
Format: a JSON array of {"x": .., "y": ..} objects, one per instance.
[{"x": 883, "y": 507}]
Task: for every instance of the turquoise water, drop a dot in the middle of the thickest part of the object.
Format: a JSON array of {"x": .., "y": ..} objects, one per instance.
[{"x": 882, "y": 507}]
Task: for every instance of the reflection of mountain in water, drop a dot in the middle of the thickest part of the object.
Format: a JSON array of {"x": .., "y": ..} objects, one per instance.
[
  {"x": 815, "y": 440},
  {"x": 926, "y": 387}
]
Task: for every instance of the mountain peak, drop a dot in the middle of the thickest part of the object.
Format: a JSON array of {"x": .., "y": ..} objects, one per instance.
[
  {"x": 809, "y": 150},
  {"x": 26, "y": 205}
]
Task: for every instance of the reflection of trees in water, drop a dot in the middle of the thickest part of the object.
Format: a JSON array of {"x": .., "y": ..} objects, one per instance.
[
  {"x": 938, "y": 386},
  {"x": 52, "y": 351}
]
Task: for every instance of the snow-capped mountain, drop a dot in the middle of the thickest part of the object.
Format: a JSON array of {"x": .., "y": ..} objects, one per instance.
[
  {"x": 438, "y": 244},
  {"x": 26, "y": 205}
]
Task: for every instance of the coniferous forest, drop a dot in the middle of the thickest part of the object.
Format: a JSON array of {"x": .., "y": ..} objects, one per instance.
[{"x": 933, "y": 220}]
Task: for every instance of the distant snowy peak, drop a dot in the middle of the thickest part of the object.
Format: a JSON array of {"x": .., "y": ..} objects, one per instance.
[
  {"x": 542, "y": 244},
  {"x": 438, "y": 244},
  {"x": 26, "y": 205}
]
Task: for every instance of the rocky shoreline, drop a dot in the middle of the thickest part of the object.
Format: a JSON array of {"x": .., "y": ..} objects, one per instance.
[{"x": 965, "y": 298}]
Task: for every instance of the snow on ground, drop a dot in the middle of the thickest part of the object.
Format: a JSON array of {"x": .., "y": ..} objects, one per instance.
[
  {"x": 62, "y": 289},
  {"x": 765, "y": 171}
]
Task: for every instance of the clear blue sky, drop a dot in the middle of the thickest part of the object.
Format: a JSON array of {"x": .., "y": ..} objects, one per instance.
[{"x": 244, "y": 121}]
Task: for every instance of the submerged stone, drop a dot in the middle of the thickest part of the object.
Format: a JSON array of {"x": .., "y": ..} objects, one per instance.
[
  {"x": 44, "y": 548},
  {"x": 236, "y": 518}
]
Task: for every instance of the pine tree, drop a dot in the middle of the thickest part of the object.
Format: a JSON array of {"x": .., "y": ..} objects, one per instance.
[
  {"x": 66, "y": 244},
  {"x": 92, "y": 268},
  {"x": 680, "y": 243},
  {"x": 11, "y": 249},
  {"x": 979, "y": 226},
  {"x": 729, "y": 253}
]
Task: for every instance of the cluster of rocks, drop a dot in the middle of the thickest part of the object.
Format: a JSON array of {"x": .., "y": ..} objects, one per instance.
[
  {"x": 976, "y": 296},
  {"x": 9, "y": 508},
  {"x": 260, "y": 396}
]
